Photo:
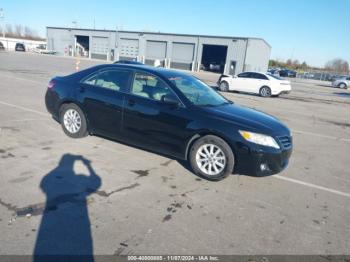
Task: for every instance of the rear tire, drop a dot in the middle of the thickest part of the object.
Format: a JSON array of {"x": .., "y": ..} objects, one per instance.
[
  {"x": 73, "y": 121},
  {"x": 224, "y": 87},
  {"x": 211, "y": 158},
  {"x": 265, "y": 91}
]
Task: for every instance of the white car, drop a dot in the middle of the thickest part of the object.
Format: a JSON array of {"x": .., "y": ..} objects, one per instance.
[
  {"x": 343, "y": 82},
  {"x": 254, "y": 82}
]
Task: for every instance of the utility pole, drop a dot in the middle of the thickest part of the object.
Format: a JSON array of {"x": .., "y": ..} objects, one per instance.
[{"x": 2, "y": 17}]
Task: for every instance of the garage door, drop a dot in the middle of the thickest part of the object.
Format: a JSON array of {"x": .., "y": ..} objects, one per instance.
[
  {"x": 99, "y": 47},
  {"x": 182, "y": 56},
  {"x": 129, "y": 49},
  {"x": 155, "y": 50}
]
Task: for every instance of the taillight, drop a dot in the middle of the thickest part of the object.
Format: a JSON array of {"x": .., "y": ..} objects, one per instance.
[{"x": 51, "y": 85}]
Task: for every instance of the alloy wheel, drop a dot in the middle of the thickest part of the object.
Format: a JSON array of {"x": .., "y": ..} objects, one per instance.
[
  {"x": 72, "y": 121},
  {"x": 210, "y": 159},
  {"x": 265, "y": 91},
  {"x": 223, "y": 86}
]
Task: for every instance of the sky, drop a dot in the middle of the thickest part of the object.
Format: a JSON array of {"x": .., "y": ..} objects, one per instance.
[{"x": 314, "y": 31}]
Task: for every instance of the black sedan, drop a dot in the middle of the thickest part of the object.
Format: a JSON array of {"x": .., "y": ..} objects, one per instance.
[
  {"x": 20, "y": 47},
  {"x": 171, "y": 113}
]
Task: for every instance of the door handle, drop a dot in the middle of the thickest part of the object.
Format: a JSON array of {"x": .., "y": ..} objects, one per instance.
[
  {"x": 81, "y": 89},
  {"x": 131, "y": 102}
]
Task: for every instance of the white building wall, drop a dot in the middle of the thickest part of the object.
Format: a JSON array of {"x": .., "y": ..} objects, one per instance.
[
  {"x": 258, "y": 55},
  {"x": 247, "y": 53}
]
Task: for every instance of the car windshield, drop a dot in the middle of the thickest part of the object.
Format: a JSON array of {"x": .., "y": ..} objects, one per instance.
[
  {"x": 276, "y": 77},
  {"x": 197, "y": 92}
]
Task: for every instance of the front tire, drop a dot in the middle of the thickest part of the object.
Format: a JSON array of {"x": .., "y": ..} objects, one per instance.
[
  {"x": 224, "y": 87},
  {"x": 342, "y": 85},
  {"x": 211, "y": 158},
  {"x": 265, "y": 91},
  {"x": 73, "y": 121}
]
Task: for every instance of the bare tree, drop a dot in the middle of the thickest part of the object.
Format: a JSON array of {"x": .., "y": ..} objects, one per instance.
[
  {"x": 296, "y": 63},
  {"x": 30, "y": 33},
  {"x": 9, "y": 31},
  {"x": 338, "y": 65},
  {"x": 304, "y": 65},
  {"x": 18, "y": 30}
]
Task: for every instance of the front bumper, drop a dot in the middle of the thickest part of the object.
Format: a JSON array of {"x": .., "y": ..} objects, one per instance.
[{"x": 261, "y": 162}]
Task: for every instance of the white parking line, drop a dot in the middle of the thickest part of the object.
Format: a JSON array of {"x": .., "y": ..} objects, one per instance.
[
  {"x": 26, "y": 120},
  {"x": 275, "y": 176},
  {"x": 24, "y": 108},
  {"x": 22, "y": 79},
  {"x": 321, "y": 135},
  {"x": 312, "y": 185}
]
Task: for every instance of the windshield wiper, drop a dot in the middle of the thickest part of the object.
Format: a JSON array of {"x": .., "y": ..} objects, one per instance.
[
  {"x": 207, "y": 105},
  {"x": 213, "y": 105}
]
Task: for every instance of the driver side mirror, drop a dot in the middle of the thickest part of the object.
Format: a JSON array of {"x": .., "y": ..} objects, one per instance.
[{"x": 170, "y": 100}]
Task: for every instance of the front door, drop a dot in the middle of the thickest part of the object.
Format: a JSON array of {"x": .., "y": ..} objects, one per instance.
[
  {"x": 103, "y": 101},
  {"x": 241, "y": 82},
  {"x": 149, "y": 122}
]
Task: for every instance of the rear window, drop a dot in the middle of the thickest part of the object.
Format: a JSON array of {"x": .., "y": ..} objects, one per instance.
[
  {"x": 276, "y": 77},
  {"x": 109, "y": 79}
]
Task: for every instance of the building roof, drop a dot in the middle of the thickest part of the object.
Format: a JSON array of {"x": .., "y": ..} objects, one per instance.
[{"x": 160, "y": 33}]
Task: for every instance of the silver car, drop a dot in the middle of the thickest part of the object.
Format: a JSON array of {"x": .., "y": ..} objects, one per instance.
[{"x": 343, "y": 82}]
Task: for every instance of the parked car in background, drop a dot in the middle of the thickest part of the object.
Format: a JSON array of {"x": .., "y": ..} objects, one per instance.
[
  {"x": 20, "y": 47},
  {"x": 308, "y": 75},
  {"x": 215, "y": 67},
  {"x": 128, "y": 62},
  {"x": 172, "y": 113},
  {"x": 255, "y": 82},
  {"x": 2, "y": 48},
  {"x": 287, "y": 73},
  {"x": 337, "y": 77},
  {"x": 42, "y": 49},
  {"x": 343, "y": 82},
  {"x": 273, "y": 71}
]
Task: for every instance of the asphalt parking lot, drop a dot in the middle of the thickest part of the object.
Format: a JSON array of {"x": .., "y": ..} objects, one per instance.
[{"x": 144, "y": 203}]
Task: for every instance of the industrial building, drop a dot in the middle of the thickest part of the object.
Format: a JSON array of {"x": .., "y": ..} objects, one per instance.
[{"x": 222, "y": 54}]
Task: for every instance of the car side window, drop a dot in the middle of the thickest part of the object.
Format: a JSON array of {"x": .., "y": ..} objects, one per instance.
[
  {"x": 244, "y": 75},
  {"x": 348, "y": 78},
  {"x": 259, "y": 76},
  {"x": 109, "y": 79},
  {"x": 149, "y": 86}
]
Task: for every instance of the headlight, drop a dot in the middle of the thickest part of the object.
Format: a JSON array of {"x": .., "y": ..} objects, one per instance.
[{"x": 259, "y": 139}]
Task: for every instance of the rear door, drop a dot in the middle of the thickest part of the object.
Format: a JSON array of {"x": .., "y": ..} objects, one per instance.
[{"x": 102, "y": 95}]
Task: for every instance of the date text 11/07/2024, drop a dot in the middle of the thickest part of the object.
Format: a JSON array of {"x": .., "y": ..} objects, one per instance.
[{"x": 173, "y": 258}]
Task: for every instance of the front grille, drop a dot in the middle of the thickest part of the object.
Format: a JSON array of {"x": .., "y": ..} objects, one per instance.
[{"x": 285, "y": 141}]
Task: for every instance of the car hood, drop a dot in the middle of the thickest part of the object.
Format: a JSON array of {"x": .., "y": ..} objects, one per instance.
[{"x": 249, "y": 119}]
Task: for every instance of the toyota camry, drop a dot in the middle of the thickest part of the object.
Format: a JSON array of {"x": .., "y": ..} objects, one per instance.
[{"x": 170, "y": 113}]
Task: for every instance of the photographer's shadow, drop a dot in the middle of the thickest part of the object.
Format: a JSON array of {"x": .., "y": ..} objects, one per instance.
[{"x": 65, "y": 225}]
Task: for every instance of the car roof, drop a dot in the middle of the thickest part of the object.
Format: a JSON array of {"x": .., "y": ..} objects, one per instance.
[
  {"x": 150, "y": 69},
  {"x": 257, "y": 72}
]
